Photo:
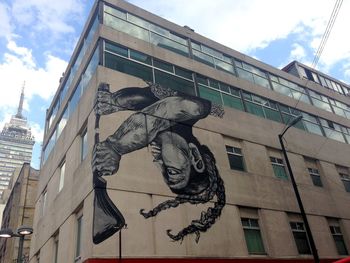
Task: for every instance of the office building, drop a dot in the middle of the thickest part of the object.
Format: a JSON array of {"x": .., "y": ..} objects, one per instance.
[
  {"x": 16, "y": 145},
  {"x": 162, "y": 146},
  {"x": 19, "y": 211}
]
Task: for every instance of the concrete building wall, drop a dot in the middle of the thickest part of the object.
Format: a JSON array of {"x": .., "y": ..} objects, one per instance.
[{"x": 254, "y": 193}]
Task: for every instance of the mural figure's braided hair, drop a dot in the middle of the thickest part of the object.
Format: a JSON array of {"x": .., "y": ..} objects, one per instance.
[{"x": 207, "y": 219}]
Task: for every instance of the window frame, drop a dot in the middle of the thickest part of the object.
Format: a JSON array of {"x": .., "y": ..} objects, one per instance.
[
  {"x": 279, "y": 162},
  {"x": 62, "y": 169},
  {"x": 315, "y": 176},
  {"x": 300, "y": 228},
  {"x": 237, "y": 152},
  {"x": 256, "y": 228},
  {"x": 83, "y": 144}
]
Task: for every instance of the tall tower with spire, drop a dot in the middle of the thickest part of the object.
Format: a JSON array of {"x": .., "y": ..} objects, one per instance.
[{"x": 16, "y": 145}]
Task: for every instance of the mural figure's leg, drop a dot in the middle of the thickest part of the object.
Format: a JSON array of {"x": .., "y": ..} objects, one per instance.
[{"x": 107, "y": 218}]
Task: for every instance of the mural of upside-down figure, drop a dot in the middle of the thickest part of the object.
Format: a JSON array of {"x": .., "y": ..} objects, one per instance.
[{"x": 163, "y": 121}]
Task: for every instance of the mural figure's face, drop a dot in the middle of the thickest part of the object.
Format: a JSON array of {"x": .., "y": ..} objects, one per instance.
[{"x": 175, "y": 156}]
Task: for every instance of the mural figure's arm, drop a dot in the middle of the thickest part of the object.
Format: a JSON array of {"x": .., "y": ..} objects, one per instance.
[{"x": 142, "y": 127}]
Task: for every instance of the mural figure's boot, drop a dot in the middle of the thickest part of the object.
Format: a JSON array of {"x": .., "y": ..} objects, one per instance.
[{"x": 107, "y": 218}]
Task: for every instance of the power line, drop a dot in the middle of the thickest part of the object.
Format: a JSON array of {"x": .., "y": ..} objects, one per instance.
[{"x": 327, "y": 32}]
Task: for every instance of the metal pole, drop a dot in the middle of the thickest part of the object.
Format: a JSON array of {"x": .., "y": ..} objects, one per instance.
[
  {"x": 20, "y": 249},
  {"x": 120, "y": 245},
  {"x": 300, "y": 203}
]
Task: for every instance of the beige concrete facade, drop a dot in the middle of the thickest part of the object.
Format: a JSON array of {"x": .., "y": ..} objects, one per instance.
[
  {"x": 19, "y": 211},
  {"x": 254, "y": 193}
]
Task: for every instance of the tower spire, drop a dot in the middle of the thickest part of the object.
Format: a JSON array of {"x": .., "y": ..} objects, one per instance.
[{"x": 19, "y": 114}]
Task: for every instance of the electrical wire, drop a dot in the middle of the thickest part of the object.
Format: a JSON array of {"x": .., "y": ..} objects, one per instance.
[{"x": 327, "y": 32}]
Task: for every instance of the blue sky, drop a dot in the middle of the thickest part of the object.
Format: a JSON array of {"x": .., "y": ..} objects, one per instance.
[{"x": 37, "y": 38}]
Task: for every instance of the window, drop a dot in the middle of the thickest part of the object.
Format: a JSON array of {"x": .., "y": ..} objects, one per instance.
[
  {"x": 43, "y": 202},
  {"x": 338, "y": 239},
  {"x": 315, "y": 176},
  {"x": 252, "y": 236},
  {"x": 235, "y": 158},
  {"x": 346, "y": 181},
  {"x": 278, "y": 168},
  {"x": 84, "y": 144},
  {"x": 62, "y": 172},
  {"x": 300, "y": 237},
  {"x": 79, "y": 239}
]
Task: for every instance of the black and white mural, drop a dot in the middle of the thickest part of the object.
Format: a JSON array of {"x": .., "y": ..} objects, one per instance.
[{"x": 163, "y": 121}]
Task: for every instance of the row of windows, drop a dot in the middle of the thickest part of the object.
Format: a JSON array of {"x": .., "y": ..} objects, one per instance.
[
  {"x": 236, "y": 161},
  {"x": 57, "y": 241},
  {"x": 142, "y": 29},
  {"x": 140, "y": 65},
  {"x": 255, "y": 244},
  {"x": 72, "y": 104},
  {"x": 324, "y": 81},
  {"x": 70, "y": 75}
]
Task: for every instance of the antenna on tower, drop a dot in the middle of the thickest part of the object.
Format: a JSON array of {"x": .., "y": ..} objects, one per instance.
[{"x": 19, "y": 114}]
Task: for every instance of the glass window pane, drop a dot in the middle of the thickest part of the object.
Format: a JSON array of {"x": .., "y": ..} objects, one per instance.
[
  {"x": 245, "y": 75},
  {"x": 74, "y": 99},
  {"x": 302, "y": 243},
  {"x": 313, "y": 128},
  {"x": 128, "y": 67},
  {"x": 224, "y": 66},
  {"x": 210, "y": 94},
  {"x": 281, "y": 89},
  {"x": 163, "y": 65},
  {"x": 173, "y": 82},
  {"x": 115, "y": 12},
  {"x": 169, "y": 44},
  {"x": 255, "y": 109},
  {"x": 261, "y": 81},
  {"x": 316, "y": 180},
  {"x": 340, "y": 244},
  {"x": 84, "y": 145},
  {"x": 254, "y": 241},
  {"x": 126, "y": 27},
  {"x": 204, "y": 58},
  {"x": 233, "y": 102},
  {"x": 280, "y": 172},
  {"x": 236, "y": 162},
  {"x": 273, "y": 115},
  {"x": 138, "y": 21},
  {"x": 183, "y": 73},
  {"x": 116, "y": 49},
  {"x": 140, "y": 57}
]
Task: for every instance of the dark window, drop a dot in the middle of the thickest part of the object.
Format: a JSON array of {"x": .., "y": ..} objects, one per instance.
[
  {"x": 253, "y": 236},
  {"x": 338, "y": 239},
  {"x": 300, "y": 237},
  {"x": 235, "y": 158},
  {"x": 315, "y": 176},
  {"x": 174, "y": 82},
  {"x": 128, "y": 67},
  {"x": 346, "y": 181}
]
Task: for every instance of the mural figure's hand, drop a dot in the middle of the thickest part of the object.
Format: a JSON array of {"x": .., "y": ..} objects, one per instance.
[
  {"x": 156, "y": 151},
  {"x": 105, "y": 160},
  {"x": 104, "y": 103}
]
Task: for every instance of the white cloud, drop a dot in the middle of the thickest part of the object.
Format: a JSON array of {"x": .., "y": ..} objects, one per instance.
[
  {"x": 47, "y": 15},
  {"x": 247, "y": 25},
  {"x": 298, "y": 52},
  {"x": 19, "y": 66},
  {"x": 37, "y": 132}
]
